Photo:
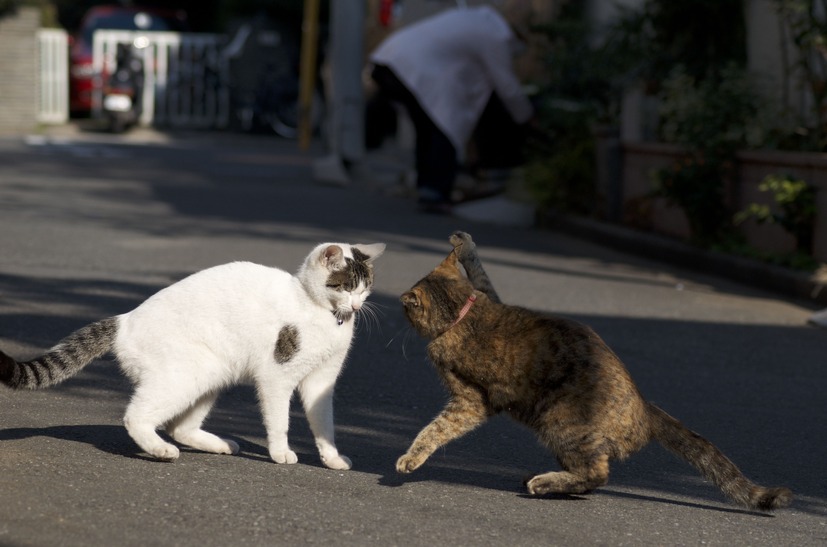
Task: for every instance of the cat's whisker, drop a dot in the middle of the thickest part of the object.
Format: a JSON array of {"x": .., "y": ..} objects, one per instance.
[
  {"x": 375, "y": 309},
  {"x": 374, "y": 304},
  {"x": 409, "y": 332},
  {"x": 369, "y": 315},
  {"x": 393, "y": 338},
  {"x": 406, "y": 332}
]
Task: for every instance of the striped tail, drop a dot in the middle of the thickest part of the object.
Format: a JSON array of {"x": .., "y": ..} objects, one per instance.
[
  {"x": 713, "y": 465},
  {"x": 64, "y": 360}
]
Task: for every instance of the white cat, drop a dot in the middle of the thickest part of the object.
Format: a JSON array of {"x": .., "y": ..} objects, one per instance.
[{"x": 222, "y": 325}]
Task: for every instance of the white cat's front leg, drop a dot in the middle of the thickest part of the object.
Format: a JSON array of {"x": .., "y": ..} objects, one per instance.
[
  {"x": 317, "y": 396},
  {"x": 274, "y": 397}
]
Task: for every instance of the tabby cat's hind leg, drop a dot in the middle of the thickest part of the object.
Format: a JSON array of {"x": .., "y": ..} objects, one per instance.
[
  {"x": 573, "y": 481},
  {"x": 466, "y": 252}
]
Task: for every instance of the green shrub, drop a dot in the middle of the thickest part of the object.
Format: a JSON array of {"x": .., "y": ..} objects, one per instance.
[
  {"x": 712, "y": 118},
  {"x": 796, "y": 209}
]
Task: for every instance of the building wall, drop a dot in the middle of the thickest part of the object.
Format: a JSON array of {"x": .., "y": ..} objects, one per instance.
[
  {"x": 772, "y": 55},
  {"x": 18, "y": 67}
]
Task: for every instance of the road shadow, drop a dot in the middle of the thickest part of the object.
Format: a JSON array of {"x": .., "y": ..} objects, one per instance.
[
  {"x": 106, "y": 438},
  {"x": 662, "y": 500}
]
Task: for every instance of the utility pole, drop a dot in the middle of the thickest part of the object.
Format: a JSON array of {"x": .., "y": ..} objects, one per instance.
[{"x": 307, "y": 70}]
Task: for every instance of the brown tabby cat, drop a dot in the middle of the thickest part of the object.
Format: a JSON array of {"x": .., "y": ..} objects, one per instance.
[{"x": 552, "y": 374}]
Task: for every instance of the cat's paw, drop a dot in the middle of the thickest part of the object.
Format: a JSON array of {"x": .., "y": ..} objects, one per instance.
[
  {"x": 284, "y": 456},
  {"x": 339, "y": 462},
  {"x": 232, "y": 447},
  {"x": 464, "y": 246},
  {"x": 166, "y": 453},
  {"x": 554, "y": 482},
  {"x": 533, "y": 486},
  {"x": 408, "y": 463},
  {"x": 460, "y": 238}
]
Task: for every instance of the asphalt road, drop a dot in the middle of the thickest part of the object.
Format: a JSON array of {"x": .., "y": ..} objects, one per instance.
[{"x": 90, "y": 225}]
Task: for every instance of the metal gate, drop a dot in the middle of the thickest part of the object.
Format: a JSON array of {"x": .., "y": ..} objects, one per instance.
[
  {"x": 185, "y": 80},
  {"x": 53, "y": 80}
]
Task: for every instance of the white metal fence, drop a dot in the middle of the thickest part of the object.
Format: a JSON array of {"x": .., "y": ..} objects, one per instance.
[
  {"x": 184, "y": 76},
  {"x": 53, "y": 89}
]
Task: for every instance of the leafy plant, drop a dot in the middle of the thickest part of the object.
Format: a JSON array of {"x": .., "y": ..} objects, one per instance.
[
  {"x": 795, "y": 209},
  {"x": 580, "y": 70},
  {"x": 696, "y": 185},
  {"x": 720, "y": 113},
  {"x": 580, "y": 92},
  {"x": 560, "y": 174},
  {"x": 700, "y": 35},
  {"x": 712, "y": 118}
]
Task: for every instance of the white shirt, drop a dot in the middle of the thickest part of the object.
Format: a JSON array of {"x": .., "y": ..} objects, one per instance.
[{"x": 452, "y": 62}]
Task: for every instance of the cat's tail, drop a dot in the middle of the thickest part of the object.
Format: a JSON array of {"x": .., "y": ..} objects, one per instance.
[
  {"x": 64, "y": 360},
  {"x": 713, "y": 465}
]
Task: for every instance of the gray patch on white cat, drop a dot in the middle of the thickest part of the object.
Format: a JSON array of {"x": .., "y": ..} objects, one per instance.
[{"x": 287, "y": 344}]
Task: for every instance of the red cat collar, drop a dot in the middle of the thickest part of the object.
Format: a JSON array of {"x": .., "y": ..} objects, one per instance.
[{"x": 464, "y": 310}]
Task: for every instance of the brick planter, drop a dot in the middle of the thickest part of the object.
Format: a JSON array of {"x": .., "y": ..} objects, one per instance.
[{"x": 642, "y": 160}]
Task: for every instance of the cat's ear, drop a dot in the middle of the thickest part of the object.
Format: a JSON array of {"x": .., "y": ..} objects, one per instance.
[
  {"x": 410, "y": 299},
  {"x": 332, "y": 258},
  {"x": 372, "y": 252},
  {"x": 449, "y": 266}
]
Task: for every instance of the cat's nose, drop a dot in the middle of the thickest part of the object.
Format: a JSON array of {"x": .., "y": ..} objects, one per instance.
[{"x": 356, "y": 305}]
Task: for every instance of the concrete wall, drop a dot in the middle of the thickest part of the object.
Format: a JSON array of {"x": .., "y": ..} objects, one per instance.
[
  {"x": 18, "y": 70},
  {"x": 773, "y": 56}
]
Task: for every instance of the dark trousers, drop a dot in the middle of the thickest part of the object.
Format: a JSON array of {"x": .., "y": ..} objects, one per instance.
[
  {"x": 498, "y": 139},
  {"x": 436, "y": 157}
]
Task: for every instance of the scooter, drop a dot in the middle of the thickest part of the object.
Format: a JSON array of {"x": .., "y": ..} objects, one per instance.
[{"x": 123, "y": 92}]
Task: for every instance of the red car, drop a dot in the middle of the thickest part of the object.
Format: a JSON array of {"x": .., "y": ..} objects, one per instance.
[{"x": 81, "y": 74}]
